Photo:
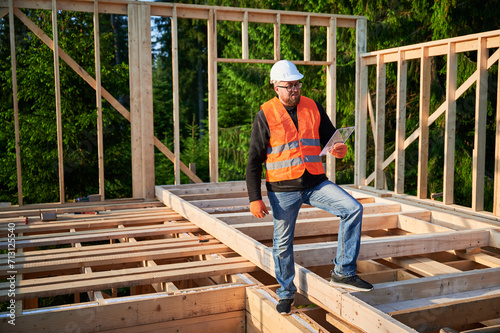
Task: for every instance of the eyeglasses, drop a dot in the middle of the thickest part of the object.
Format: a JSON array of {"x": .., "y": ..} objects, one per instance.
[{"x": 290, "y": 87}]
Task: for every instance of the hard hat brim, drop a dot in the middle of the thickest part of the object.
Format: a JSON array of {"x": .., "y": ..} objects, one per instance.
[{"x": 293, "y": 78}]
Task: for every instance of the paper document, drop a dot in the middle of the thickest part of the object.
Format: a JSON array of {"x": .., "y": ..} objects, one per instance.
[{"x": 341, "y": 135}]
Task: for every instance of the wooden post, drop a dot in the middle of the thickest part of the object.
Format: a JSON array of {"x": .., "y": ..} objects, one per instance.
[
  {"x": 277, "y": 37},
  {"x": 212, "y": 97},
  {"x": 361, "y": 104},
  {"x": 380, "y": 129},
  {"x": 175, "y": 83},
  {"x": 496, "y": 187},
  {"x": 399, "y": 177},
  {"x": 244, "y": 36},
  {"x": 423, "y": 143},
  {"x": 100, "y": 144},
  {"x": 479, "y": 152},
  {"x": 331, "y": 80},
  {"x": 60, "y": 152},
  {"x": 307, "y": 38},
  {"x": 141, "y": 100},
  {"x": 450, "y": 126},
  {"x": 15, "y": 101}
]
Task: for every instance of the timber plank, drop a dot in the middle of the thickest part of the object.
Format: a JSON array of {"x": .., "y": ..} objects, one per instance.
[
  {"x": 469, "y": 311},
  {"x": 394, "y": 246},
  {"x": 95, "y": 235},
  {"x": 132, "y": 311},
  {"x": 96, "y": 281},
  {"x": 113, "y": 259}
]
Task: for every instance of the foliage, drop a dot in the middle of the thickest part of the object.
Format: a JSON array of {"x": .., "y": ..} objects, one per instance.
[{"x": 37, "y": 113}]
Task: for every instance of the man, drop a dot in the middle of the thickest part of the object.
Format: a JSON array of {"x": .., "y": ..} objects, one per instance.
[{"x": 287, "y": 136}]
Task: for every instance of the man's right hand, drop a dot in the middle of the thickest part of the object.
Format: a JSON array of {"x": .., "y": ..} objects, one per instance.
[{"x": 258, "y": 208}]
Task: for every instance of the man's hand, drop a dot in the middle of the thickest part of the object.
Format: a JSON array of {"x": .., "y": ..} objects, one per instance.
[
  {"x": 339, "y": 150},
  {"x": 258, "y": 208}
]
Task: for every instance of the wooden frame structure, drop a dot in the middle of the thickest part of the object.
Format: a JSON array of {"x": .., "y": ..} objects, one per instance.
[
  {"x": 195, "y": 258},
  {"x": 198, "y": 258},
  {"x": 481, "y": 43},
  {"x": 141, "y": 97}
]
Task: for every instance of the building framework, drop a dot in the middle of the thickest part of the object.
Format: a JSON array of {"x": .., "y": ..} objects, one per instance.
[
  {"x": 188, "y": 257},
  {"x": 197, "y": 259}
]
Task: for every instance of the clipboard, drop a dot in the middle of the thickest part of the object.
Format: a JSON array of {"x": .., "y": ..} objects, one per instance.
[{"x": 341, "y": 135}]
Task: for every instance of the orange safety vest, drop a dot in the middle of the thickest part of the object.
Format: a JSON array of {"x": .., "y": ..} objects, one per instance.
[{"x": 290, "y": 151}]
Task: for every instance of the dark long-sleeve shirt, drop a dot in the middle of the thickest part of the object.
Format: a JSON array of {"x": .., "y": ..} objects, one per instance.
[{"x": 259, "y": 142}]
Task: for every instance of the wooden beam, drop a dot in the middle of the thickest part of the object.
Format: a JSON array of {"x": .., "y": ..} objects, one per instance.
[
  {"x": 450, "y": 125},
  {"x": 4, "y": 11},
  {"x": 15, "y": 102},
  {"x": 307, "y": 39},
  {"x": 45, "y": 287},
  {"x": 361, "y": 126},
  {"x": 432, "y": 317},
  {"x": 57, "y": 87},
  {"x": 380, "y": 130},
  {"x": 437, "y": 48},
  {"x": 446, "y": 284},
  {"x": 141, "y": 101},
  {"x": 394, "y": 246},
  {"x": 479, "y": 151},
  {"x": 100, "y": 128},
  {"x": 244, "y": 37},
  {"x": 212, "y": 97},
  {"x": 262, "y": 315},
  {"x": 93, "y": 235},
  {"x": 135, "y": 311},
  {"x": 113, "y": 259},
  {"x": 331, "y": 86},
  {"x": 317, "y": 288},
  {"x": 399, "y": 173},
  {"x": 175, "y": 97},
  {"x": 496, "y": 187},
  {"x": 277, "y": 37},
  {"x": 233, "y": 321},
  {"x": 424, "y": 106},
  {"x": 423, "y": 266}
]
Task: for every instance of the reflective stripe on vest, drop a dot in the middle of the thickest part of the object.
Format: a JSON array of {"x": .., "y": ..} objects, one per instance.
[{"x": 291, "y": 151}]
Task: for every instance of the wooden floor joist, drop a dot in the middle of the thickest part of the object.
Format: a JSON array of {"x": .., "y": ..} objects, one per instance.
[
  {"x": 167, "y": 259},
  {"x": 406, "y": 239}
]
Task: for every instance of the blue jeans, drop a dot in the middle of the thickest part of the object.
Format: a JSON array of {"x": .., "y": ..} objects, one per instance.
[{"x": 329, "y": 197}]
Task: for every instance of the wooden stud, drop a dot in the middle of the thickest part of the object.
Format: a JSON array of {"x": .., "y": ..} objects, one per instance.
[
  {"x": 307, "y": 39},
  {"x": 399, "y": 174},
  {"x": 100, "y": 129},
  {"x": 361, "y": 104},
  {"x": 4, "y": 11},
  {"x": 244, "y": 37},
  {"x": 141, "y": 101},
  {"x": 423, "y": 144},
  {"x": 380, "y": 130},
  {"x": 479, "y": 151},
  {"x": 15, "y": 102},
  {"x": 331, "y": 85},
  {"x": 450, "y": 126},
  {"x": 496, "y": 187},
  {"x": 212, "y": 97},
  {"x": 175, "y": 98},
  {"x": 277, "y": 37},
  {"x": 361, "y": 127},
  {"x": 57, "y": 84}
]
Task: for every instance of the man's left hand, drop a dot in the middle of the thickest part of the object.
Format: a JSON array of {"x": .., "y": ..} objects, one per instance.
[{"x": 339, "y": 150}]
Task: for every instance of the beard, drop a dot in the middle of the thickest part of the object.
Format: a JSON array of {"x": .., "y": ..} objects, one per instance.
[{"x": 293, "y": 99}]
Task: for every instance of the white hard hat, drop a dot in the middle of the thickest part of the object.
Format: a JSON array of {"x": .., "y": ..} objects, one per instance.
[{"x": 285, "y": 70}]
